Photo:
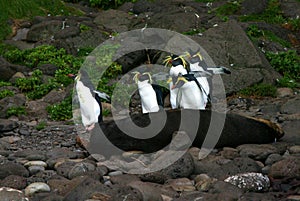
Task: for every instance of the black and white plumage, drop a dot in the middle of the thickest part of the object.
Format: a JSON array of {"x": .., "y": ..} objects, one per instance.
[
  {"x": 178, "y": 66},
  {"x": 150, "y": 95},
  {"x": 89, "y": 100}
]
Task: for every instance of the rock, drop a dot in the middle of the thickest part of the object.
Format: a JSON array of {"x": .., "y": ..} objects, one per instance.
[
  {"x": 61, "y": 153},
  {"x": 181, "y": 184},
  {"x": 229, "y": 153},
  {"x": 257, "y": 152},
  {"x": 273, "y": 158},
  {"x": 35, "y": 169},
  {"x": 7, "y": 125},
  {"x": 294, "y": 149},
  {"x": 148, "y": 191},
  {"x": 35, "y": 163},
  {"x": 224, "y": 191},
  {"x": 124, "y": 179},
  {"x": 14, "y": 181},
  {"x": 288, "y": 167},
  {"x": 8, "y": 194},
  {"x": 81, "y": 169},
  {"x": 11, "y": 168},
  {"x": 113, "y": 20},
  {"x": 250, "y": 181},
  {"x": 284, "y": 92},
  {"x": 292, "y": 106},
  {"x": 54, "y": 96},
  {"x": 253, "y": 7},
  {"x": 204, "y": 182},
  {"x": 290, "y": 8},
  {"x": 37, "y": 108},
  {"x": 242, "y": 57},
  {"x": 36, "y": 188},
  {"x": 8, "y": 69},
  {"x": 64, "y": 168},
  {"x": 16, "y": 76}
]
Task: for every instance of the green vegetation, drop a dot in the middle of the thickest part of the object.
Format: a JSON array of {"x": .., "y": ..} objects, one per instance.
[
  {"x": 255, "y": 33},
  {"x": 288, "y": 64},
  {"x": 105, "y": 4},
  {"x": 61, "y": 111},
  {"x": 5, "y": 93},
  {"x": 41, "y": 125},
  {"x": 194, "y": 31},
  {"x": 15, "y": 111},
  {"x": 259, "y": 90},
  {"x": 23, "y": 10},
  {"x": 230, "y": 8},
  {"x": 3, "y": 84}
]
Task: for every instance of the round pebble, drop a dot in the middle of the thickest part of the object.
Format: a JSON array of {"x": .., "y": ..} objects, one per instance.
[{"x": 36, "y": 187}]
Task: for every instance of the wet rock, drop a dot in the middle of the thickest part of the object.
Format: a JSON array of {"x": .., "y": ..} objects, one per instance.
[
  {"x": 288, "y": 167},
  {"x": 37, "y": 187},
  {"x": 14, "y": 181},
  {"x": 8, "y": 194},
  {"x": 257, "y": 152},
  {"x": 11, "y": 168},
  {"x": 250, "y": 181}
]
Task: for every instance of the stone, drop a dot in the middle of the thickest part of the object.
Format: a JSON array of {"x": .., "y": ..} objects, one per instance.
[
  {"x": 229, "y": 153},
  {"x": 37, "y": 108},
  {"x": 257, "y": 152},
  {"x": 181, "y": 184},
  {"x": 8, "y": 194},
  {"x": 204, "y": 182},
  {"x": 81, "y": 169},
  {"x": 14, "y": 181},
  {"x": 292, "y": 106},
  {"x": 35, "y": 163},
  {"x": 37, "y": 187},
  {"x": 250, "y": 181},
  {"x": 284, "y": 92},
  {"x": 288, "y": 167},
  {"x": 124, "y": 179},
  {"x": 253, "y": 7},
  {"x": 34, "y": 169},
  {"x": 11, "y": 168},
  {"x": 54, "y": 96},
  {"x": 7, "y": 125},
  {"x": 8, "y": 69},
  {"x": 148, "y": 191},
  {"x": 273, "y": 158},
  {"x": 294, "y": 149}
]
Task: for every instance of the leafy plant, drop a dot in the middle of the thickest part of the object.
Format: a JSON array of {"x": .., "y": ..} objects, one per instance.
[
  {"x": 29, "y": 84},
  {"x": 260, "y": 90},
  {"x": 286, "y": 63},
  {"x": 15, "y": 111},
  {"x": 61, "y": 111},
  {"x": 41, "y": 125},
  {"x": 3, "y": 83},
  {"x": 5, "y": 93}
]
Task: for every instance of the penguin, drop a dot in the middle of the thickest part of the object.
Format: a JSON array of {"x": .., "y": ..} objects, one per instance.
[
  {"x": 197, "y": 64},
  {"x": 89, "y": 100},
  {"x": 147, "y": 92},
  {"x": 178, "y": 66}
]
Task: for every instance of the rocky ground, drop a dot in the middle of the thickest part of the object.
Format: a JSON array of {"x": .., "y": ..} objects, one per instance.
[{"x": 50, "y": 164}]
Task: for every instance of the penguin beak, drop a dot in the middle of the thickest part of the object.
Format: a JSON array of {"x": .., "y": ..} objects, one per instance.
[{"x": 71, "y": 76}]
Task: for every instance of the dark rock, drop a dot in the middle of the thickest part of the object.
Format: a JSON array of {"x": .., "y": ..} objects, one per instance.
[
  {"x": 148, "y": 191},
  {"x": 17, "y": 100},
  {"x": 54, "y": 96},
  {"x": 37, "y": 108},
  {"x": 253, "y": 7},
  {"x": 273, "y": 158},
  {"x": 258, "y": 196},
  {"x": 44, "y": 30},
  {"x": 30, "y": 154},
  {"x": 67, "y": 32},
  {"x": 7, "y": 125},
  {"x": 288, "y": 167},
  {"x": 124, "y": 179},
  {"x": 11, "y": 168},
  {"x": 64, "y": 168},
  {"x": 8, "y": 69},
  {"x": 290, "y": 8},
  {"x": 81, "y": 169},
  {"x": 14, "y": 181},
  {"x": 257, "y": 152},
  {"x": 48, "y": 69},
  {"x": 61, "y": 153},
  {"x": 292, "y": 106}
]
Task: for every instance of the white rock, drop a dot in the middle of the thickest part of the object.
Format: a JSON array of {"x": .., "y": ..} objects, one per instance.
[
  {"x": 35, "y": 163},
  {"x": 36, "y": 187},
  {"x": 8, "y": 194}
]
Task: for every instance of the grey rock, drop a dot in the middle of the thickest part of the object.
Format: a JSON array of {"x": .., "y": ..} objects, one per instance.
[
  {"x": 253, "y": 7},
  {"x": 37, "y": 108},
  {"x": 124, "y": 179},
  {"x": 148, "y": 191},
  {"x": 54, "y": 96},
  {"x": 36, "y": 187},
  {"x": 8, "y": 69},
  {"x": 44, "y": 30},
  {"x": 294, "y": 149},
  {"x": 257, "y": 152},
  {"x": 290, "y": 8},
  {"x": 81, "y": 169},
  {"x": 61, "y": 153},
  {"x": 292, "y": 106},
  {"x": 35, "y": 169},
  {"x": 48, "y": 69},
  {"x": 7, "y": 125},
  {"x": 273, "y": 158},
  {"x": 11, "y": 168}
]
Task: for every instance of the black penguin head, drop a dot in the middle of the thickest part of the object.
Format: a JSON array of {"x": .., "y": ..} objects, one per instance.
[{"x": 194, "y": 56}]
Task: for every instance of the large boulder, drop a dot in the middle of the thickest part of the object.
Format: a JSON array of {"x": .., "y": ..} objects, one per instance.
[
  {"x": 228, "y": 45},
  {"x": 8, "y": 69}
]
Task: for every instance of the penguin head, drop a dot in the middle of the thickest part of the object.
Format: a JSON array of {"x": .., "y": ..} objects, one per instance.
[
  {"x": 142, "y": 77},
  {"x": 194, "y": 56},
  {"x": 175, "y": 60},
  {"x": 179, "y": 81}
]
